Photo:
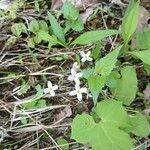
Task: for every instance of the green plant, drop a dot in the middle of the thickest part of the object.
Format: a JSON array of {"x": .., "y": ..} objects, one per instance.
[
  {"x": 71, "y": 14},
  {"x": 109, "y": 127},
  {"x": 18, "y": 28}
]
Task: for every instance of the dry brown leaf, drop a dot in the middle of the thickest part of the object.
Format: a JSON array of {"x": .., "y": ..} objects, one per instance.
[
  {"x": 147, "y": 92},
  {"x": 86, "y": 14},
  {"x": 143, "y": 19},
  {"x": 81, "y": 4},
  {"x": 142, "y": 23},
  {"x": 66, "y": 112}
]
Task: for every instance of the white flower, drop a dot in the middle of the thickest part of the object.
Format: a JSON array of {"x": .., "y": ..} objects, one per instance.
[
  {"x": 51, "y": 89},
  {"x": 78, "y": 91},
  {"x": 86, "y": 56},
  {"x": 74, "y": 76},
  {"x": 75, "y": 66}
]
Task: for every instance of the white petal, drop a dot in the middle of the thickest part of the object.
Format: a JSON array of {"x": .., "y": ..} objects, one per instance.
[
  {"x": 49, "y": 84},
  {"x": 77, "y": 81},
  {"x": 77, "y": 85},
  {"x": 73, "y": 72},
  {"x": 83, "y": 90},
  {"x": 70, "y": 78},
  {"x": 75, "y": 66},
  {"x": 83, "y": 59},
  {"x": 55, "y": 87},
  {"x": 88, "y": 53},
  {"x": 82, "y": 54},
  {"x": 72, "y": 93},
  {"x": 79, "y": 74},
  {"x": 46, "y": 90},
  {"x": 89, "y": 59},
  {"x": 79, "y": 96},
  {"x": 52, "y": 93}
]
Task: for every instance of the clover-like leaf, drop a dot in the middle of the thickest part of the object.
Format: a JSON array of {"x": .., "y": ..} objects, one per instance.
[{"x": 107, "y": 133}]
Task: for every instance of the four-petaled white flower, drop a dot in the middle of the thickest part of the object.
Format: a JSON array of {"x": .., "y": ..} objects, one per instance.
[
  {"x": 50, "y": 89},
  {"x": 75, "y": 66},
  {"x": 74, "y": 76},
  {"x": 86, "y": 56},
  {"x": 78, "y": 91}
]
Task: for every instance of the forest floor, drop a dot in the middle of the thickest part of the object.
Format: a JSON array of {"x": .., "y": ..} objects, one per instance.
[{"x": 31, "y": 120}]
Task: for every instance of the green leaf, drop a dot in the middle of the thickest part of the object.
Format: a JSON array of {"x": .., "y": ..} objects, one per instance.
[
  {"x": 96, "y": 51},
  {"x": 35, "y": 104},
  {"x": 130, "y": 20},
  {"x": 143, "y": 39},
  {"x": 93, "y": 36},
  {"x": 46, "y": 37},
  {"x": 64, "y": 143},
  {"x": 31, "y": 43},
  {"x": 18, "y": 28},
  {"x": 23, "y": 88},
  {"x": 57, "y": 29},
  {"x": 87, "y": 72},
  {"x": 139, "y": 125},
  {"x": 126, "y": 86},
  {"x": 143, "y": 55},
  {"x": 105, "y": 135},
  {"x": 106, "y": 64},
  {"x": 70, "y": 12},
  {"x": 34, "y": 26},
  {"x": 117, "y": 114},
  {"x": 77, "y": 25},
  {"x": 43, "y": 25},
  {"x": 147, "y": 68},
  {"x": 96, "y": 83}
]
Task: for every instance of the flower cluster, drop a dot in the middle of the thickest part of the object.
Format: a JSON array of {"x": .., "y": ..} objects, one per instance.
[{"x": 75, "y": 77}]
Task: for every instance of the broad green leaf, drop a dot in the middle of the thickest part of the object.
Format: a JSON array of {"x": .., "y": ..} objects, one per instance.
[
  {"x": 18, "y": 28},
  {"x": 43, "y": 25},
  {"x": 147, "y": 68},
  {"x": 64, "y": 143},
  {"x": 31, "y": 43},
  {"x": 87, "y": 72},
  {"x": 57, "y": 29},
  {"x": 143, "y": 55},
  {"x": 111, "y": 80},
  {"x": 143, "y": 40},
  {"x": 126, "y": 86},
  {"x": 23, "y": 88},
  {"x": 112, "y": 111},
  {"x": 35, "y": 104},
  {"x": 130, "y": 20},
  {"x": 46, "y": 37},
  {"x": 105, "y": 135},
  {"x": 139, "y": 125},
  {"x": 15, "y": 30},
  {"x": 96, "y": 83},
  {"x": 77, "y": 25},
  {"x": 93, "y": 36},
  {"x": 70, "y": 12},
  {"x": 34, "y": 26},
  {"x": 106, "y": 64},
  {"x": 96, "y": 52}
]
